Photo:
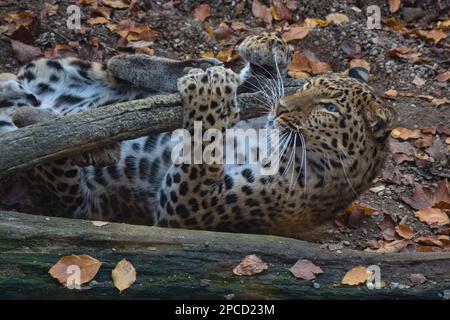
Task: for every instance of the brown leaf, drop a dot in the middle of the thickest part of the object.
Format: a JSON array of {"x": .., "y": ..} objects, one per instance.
[
  {"x": 394, "y": 5},
  {"x": 24, "y": 52},
  {"x": 387, "y": 227},
  {"x": 237, "y": 25},
  {"x": 222, "y": 32},
  {"x": 356, "y": 276},
  {"x": 280, "y": 11},
  {"x": 296, "y": 33},
  {"x": 429, "y": 241},
  {"x": 249, "y": 266},
  {"x": 405, "y": 134},
  {"x": 50, "y": 9},
  {"x": 87, "y": 265},
  {"x": 123, "y": 275},
  {"x": 337, "y": 18},
  {"x": 261, "y": 11},
  {"x": 22, "y": 26},
  {"x": 355, "y": 206},
  {"x": 393, "y": 24},
  {"x": 102, "y": 11},
  {"x": 390, "y": 247},
  {"x": 440, "y": 101},
  {"x": 404, "y": 231},
  {"x": 433, "y": 35},
  {"x": 305, "y": 269},
  {"x": 417, "y": 278},
  {"x": 433, "y": 216},
  {"x": 240, "y": 8},
  {"x": 425, "y": 198},
  {"x": 437, "y": 150},
  {"x": 202, "y": 12},
  {"x": 418, "y": 81},
  {"x": 97, "y": 20},
  {"x": 401, "y": 147},
  {"x": 116, "y": 4},
  {"x": 390, "y": 94},
  {"x": 442, "y": 77},
  {"x": 60, "y": 50}
]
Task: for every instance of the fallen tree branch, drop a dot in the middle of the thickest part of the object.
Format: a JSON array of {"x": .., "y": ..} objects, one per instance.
[
  {"x": 188, "y": 264},
  {"x": 25, "y": 148}
]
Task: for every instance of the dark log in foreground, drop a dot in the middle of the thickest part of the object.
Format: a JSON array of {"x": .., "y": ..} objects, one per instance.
[
  {"x": 183, "y": 264},
  {"x": 25, "y": 148}
]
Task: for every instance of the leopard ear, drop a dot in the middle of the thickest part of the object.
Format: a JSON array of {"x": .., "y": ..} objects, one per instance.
[
  {"x": 359, "y": 73},
  {"x": 380, "y": 120}
]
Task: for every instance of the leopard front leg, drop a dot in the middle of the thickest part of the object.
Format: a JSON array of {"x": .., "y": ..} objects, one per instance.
[{"x": 191, "y": 186}]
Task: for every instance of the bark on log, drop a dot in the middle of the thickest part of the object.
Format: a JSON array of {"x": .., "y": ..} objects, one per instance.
[
  {"x": 186, "y": 264},
  {"x": 25, "y": 148}
]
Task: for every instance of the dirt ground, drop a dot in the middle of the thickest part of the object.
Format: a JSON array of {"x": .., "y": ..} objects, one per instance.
[{"x": 179, "y": 35}]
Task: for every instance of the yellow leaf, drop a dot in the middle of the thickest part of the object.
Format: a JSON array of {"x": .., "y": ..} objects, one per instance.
[
  {"x": 356, "y": 276},
  {"x": 405, "y": 134},
  {"x": 123, "y": 275},
  {"x": 207, "y": 54},
  {"x": 390, "y": 94}
]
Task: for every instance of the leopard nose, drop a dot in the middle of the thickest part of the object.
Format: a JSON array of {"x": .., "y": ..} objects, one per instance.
[{"x": 281, "y": 108}]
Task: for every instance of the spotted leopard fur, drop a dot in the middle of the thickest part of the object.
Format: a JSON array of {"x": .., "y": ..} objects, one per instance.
[{"x": 342, "y": 124}]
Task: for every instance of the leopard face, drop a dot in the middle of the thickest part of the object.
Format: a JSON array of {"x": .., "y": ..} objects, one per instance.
[{"x": 337, "y": 117}]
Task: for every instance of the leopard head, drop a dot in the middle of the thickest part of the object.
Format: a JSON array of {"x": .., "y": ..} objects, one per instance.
[{"x": 337, "y": 116}]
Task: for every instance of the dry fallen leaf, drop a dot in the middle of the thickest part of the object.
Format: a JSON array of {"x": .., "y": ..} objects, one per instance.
[
  {"x": 237, "y": 25},
  {"x": 422, "y": 198},
  {"x": 280, "y": 10},
  {"x": 393, "y": 24},
  {"x": 442, "y": 77},
  {"x": 226, "y": 55},
  {"x": 261, "y": 11},
  {"x": 440, "y": 101},
  {"x": 368, "y": 211},
  {"x": 337, "y": 18},
  {"x": 390, "y": 94},
  {"x": 417, "y": 278},
  {"x": 394, "y": 5},
  {"x": 116, "y": 4},
  {"x": 97, "y": 20},
  {"x": 66, "y": 267},
  {"x": 305, "y": 269},
  {"x": 431, "y": 241},
  {"x": 405, "y": 134},
  {"x": 308, "y": 62},
  {"x": 418, "y": 81},
  {"x": 296, "y": 33},
  {"x": 433, "y": 216},
  {"x": 202, "y": 12},
  {"x": 24, "y": 52},
  {"x": 390, "y": 246},
  {"x": 250, "y": 265},
  {"x": 433, "y": 35},
  {"x": 99, "y": 223},
  {"x": 404, "y": 231},
  {"x": 123, "y": 275},
  {"x": 356, "y": 276},
  {"x": 410, "y": 54}
]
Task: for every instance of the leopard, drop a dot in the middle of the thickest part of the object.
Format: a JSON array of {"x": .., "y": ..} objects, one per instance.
[{"x": 332, "y": 143}]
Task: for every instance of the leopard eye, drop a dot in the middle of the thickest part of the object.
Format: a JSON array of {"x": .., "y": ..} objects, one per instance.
[{"x": 329, "y": 107}]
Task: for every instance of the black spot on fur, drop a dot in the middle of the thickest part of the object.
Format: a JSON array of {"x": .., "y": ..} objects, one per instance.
[
  {"x": 54, "y": 64},
  {"x": 248, "y": 175},
  {"x": 231, "y": 198}
]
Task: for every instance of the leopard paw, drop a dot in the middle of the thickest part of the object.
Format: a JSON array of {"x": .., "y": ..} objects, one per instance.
[
  {"x": 210, "y": 96},
  {"x": 267, "y": 50}
]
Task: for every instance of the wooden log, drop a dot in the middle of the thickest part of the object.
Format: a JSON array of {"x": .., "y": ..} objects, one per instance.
[
  {"x": 187, "y": 264},
  {"x": 25, "y": 148}
]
